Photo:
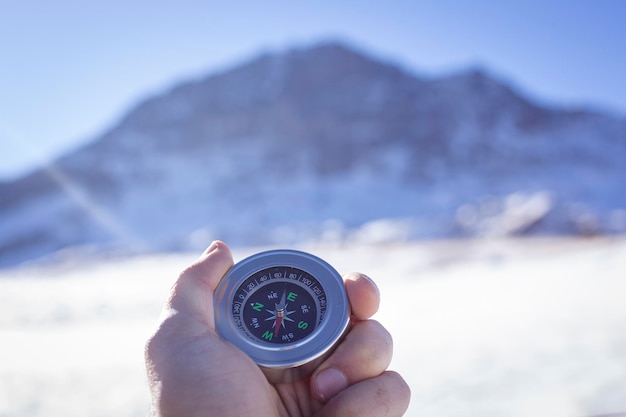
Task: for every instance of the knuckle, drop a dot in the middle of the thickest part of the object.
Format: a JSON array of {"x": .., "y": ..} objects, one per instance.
[
  {"x": 400, "y": 389},
  {"x": 379, "y": 335},
  {"x": 374, "y": 344}
]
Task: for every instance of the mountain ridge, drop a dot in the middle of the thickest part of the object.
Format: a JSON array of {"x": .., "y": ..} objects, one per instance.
[{"x": 328, "y": 129}]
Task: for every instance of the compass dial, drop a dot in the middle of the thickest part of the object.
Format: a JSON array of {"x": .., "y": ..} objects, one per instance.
[
  {"x": 286, "y": 309},
  {"x": 279, "y": 305}
]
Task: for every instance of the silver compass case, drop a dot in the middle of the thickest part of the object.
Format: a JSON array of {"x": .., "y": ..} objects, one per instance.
[{"x": 285, "y": 309}]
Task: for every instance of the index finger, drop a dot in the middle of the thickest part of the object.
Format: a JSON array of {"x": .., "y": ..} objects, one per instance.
[{"x": 363, "y": 294}]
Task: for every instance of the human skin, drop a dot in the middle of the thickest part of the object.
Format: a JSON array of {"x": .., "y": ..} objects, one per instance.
[{"x": 192, "y": 372}]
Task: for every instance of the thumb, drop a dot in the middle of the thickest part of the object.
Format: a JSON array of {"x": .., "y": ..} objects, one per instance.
[{"x": 192, "y": 293}]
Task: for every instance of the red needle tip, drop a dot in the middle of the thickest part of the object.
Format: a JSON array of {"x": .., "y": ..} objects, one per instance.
[{"x": 277, "y": 326}]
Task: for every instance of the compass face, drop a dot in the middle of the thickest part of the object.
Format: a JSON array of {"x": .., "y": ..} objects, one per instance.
[
  {"x": 285, "y": 309},
  {"x": 279, "y": 305}
]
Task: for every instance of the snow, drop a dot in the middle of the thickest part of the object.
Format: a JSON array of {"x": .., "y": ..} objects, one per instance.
[
  {"x": 492, "y": 327},
  {"x": 516, "y": 213}
]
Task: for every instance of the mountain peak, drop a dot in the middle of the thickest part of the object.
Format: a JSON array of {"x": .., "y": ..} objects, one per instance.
[{"x": 321, "y": 65}]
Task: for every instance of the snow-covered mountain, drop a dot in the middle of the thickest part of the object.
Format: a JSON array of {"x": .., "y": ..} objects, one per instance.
[{"x": 322, "y": 143}]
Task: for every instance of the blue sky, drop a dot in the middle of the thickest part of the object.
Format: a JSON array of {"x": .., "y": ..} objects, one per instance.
[{"x": 69, "y": 69}]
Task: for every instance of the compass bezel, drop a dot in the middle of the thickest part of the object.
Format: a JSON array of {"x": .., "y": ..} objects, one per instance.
[{"x": 300, "y": 354}]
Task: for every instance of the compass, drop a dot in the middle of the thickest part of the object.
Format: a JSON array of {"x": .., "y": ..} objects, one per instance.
[{"x": 285, "y": 309}]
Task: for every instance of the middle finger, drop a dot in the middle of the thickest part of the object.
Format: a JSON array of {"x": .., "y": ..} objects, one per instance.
[{"x": 365, "y": 353}]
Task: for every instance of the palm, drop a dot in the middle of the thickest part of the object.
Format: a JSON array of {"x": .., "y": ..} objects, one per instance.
[{"x": 225, "y": 378}]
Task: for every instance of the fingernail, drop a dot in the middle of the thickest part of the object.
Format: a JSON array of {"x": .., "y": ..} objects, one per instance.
[
  {"x": 373, "y": 284},
  {"x": 354, "y": 276},
  {"x": 212, "y": 246},
  {"x": 329, "y": 383}
]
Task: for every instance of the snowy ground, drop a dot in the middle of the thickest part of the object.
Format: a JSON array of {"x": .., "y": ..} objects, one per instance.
[{"x": 481, "y": 328}]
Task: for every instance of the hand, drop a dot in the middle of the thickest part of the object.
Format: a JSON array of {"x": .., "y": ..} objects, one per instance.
[{"x": 192, "y": 372}]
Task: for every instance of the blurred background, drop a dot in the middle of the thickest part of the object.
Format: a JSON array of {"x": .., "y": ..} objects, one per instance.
[{"x": 466, "y": 148}]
